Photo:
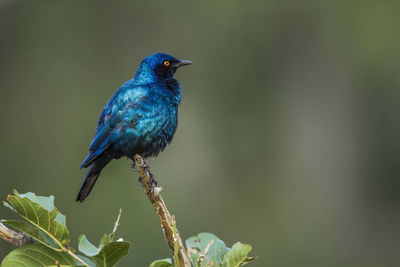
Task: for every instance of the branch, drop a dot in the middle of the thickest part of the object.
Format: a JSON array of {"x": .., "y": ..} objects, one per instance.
[
  {"x": 21, "y": 239},
  {"x": 167, "y": 224},
  {"x": 76, "y": 257},
  {"x": 14, "y": 238}
]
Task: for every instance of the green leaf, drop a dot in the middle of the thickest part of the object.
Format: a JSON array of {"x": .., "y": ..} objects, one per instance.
[
  {"x": 87, "y": 260},
  {"x": 110, "y": 237},
  {"x": 31, "y": 231},
  {"x": 47, "y": 218},
  {"x": 237, "y": 256},
  {"x": 86, "y": 247},
  {"x": 208, "y": 247},
  {"x": 111, "y": 253},
  {"x": 46, "y": 202},
  {"x": 108, "y": 255},
  {"x": 60, "y": 218},
  {"x": 161, "y": 263},
  {"x": 37, "y": 255},
  {"x": 107, "y": 238}
]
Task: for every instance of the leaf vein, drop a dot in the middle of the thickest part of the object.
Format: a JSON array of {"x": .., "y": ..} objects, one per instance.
[
  {"x": 21, "y": 254},
  {"x": 34, "y": 212},
  {"x": 21, "y": 262},
  {"x": 26, "y": 213}
]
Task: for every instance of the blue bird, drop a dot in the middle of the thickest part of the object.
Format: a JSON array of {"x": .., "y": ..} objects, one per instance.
[{"x": 140, "y": 118}]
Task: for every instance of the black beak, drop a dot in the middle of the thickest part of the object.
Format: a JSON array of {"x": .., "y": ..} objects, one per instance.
[{"x": 182, "y": 62}]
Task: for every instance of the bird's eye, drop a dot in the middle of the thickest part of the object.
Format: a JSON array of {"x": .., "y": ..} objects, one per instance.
[{"x": 166, "y": 63}]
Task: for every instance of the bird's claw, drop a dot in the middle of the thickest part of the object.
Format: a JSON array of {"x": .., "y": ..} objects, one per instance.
[
  {"x": 146, "y": 176},
  {"x": 145, "y": 163},
  {"x": 151, "y": 182}
]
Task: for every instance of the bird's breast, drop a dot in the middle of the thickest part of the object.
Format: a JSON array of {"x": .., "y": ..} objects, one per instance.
[{"x": 147, "y": 132}]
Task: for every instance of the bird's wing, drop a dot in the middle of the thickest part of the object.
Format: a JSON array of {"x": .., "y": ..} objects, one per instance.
[{"x": 118, "y": 110}]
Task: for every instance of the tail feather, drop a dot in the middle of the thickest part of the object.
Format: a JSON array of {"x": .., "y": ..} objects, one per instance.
[
  {"x": 89, "y": 160},
  {"x": 90, "y": 179}
]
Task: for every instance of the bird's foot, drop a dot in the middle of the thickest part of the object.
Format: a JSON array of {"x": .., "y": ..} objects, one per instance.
[
  {"x": 146, "y": 178},
  {"x": 152, "y": 183},
  {"x": 145, "y": 163}
]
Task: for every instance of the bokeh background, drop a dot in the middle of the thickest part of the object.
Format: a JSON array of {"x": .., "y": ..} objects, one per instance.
[{"x": 288, "y": 134}]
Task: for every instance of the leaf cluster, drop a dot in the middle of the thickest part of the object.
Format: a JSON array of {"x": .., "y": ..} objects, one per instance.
[
  {"x": 207, "y": 250},
  {"x": 47, "y": 226}
]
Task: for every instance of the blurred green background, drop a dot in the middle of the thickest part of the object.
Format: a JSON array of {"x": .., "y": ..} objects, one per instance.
[{"x": 288, "y": 134}]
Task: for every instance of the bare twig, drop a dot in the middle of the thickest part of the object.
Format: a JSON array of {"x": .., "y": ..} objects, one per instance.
[
  {"x": 117, "y": 222},
  {"x": 154, "y": 194},
  {"x": 14, "y": 238}
]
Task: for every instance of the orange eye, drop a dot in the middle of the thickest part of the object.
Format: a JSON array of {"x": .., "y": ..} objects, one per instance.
[{"x": 166, "y": 63}]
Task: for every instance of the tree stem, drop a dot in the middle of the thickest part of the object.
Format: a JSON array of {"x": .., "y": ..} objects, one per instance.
[
  {"x": 154, "y": 194},
  {"x": 14, "y": 238},
  {"x": 21, "y": 239},
  {"x": 76, "y": 257}
]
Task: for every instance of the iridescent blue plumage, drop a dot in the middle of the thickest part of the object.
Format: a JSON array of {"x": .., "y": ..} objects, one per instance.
[{"x": 140, "y": 118}]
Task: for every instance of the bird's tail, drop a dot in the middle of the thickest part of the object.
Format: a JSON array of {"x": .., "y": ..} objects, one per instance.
[{"x": 90, "y": 179}]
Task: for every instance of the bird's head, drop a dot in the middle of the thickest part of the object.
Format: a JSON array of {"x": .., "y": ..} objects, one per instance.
[{"x": 159, "y": 67}]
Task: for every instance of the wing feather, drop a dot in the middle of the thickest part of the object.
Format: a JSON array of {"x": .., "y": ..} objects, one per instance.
[{"x": 112, "y": 118}]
